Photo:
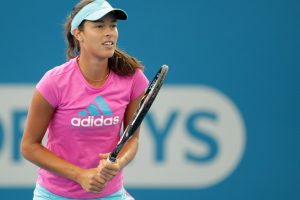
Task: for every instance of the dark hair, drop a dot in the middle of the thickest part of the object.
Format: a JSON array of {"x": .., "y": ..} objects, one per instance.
[{"x": 120, "y": 63}]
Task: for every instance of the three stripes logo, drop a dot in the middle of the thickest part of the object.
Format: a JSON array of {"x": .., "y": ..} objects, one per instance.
[{"x": 98, "y": 113}]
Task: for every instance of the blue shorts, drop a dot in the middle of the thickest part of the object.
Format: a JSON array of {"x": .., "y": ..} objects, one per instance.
[{"x": 41, "y": 193}]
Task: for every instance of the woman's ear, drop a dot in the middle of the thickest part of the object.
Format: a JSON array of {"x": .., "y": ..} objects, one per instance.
[{"x": 77, "y": 34}]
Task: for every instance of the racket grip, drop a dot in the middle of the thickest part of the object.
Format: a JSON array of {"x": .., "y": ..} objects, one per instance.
[{"x": 111, "y": 158}]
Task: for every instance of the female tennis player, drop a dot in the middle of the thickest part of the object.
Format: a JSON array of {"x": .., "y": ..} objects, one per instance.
[{"x": 82, "y": 105}]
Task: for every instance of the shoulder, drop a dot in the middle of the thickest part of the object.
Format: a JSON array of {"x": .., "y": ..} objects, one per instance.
[
  {"x": 139, "y": 83},
  {"x": 55, "y": 80},
  {"x": 138, "y": 72},
  {"x": 139, "y": 76},
  {"x": 63, "y": 69},
  {"x": 130, "y": 77}
]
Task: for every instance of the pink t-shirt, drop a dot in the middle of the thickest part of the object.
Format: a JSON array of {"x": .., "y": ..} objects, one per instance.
[{"x": 86, "y": 122}]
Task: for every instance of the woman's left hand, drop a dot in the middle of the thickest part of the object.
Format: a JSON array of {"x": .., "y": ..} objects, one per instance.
[{"x": 106, "y": 169}]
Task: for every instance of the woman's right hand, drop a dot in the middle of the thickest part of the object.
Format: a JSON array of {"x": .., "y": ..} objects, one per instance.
[{"x": 90, "y": 181}]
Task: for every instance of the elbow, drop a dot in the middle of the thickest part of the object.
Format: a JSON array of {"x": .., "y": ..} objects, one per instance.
[{"x": 25, "y": 149}]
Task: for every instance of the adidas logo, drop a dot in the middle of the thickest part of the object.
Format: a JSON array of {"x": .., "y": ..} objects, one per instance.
[{"x": 96, "y": 114}]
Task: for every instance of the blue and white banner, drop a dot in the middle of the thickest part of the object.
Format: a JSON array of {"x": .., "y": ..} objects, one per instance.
[{"x": 204, "y": 138}]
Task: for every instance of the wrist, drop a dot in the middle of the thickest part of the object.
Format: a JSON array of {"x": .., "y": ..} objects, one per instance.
[
  {"x": 77, "y": 174},
  {"x": 122, "y": 162}
]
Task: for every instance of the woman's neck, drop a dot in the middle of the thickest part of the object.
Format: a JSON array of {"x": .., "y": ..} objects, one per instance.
[{"x": 94, "y": 70}]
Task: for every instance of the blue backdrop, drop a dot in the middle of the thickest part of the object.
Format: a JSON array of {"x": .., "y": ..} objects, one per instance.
[{"x": 249, "y": 50}]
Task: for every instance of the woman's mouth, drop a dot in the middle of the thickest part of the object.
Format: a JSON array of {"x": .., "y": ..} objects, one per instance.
[{"x": 108, "y": 43}]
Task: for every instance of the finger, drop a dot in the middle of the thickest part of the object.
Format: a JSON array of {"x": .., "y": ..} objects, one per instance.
[
  {"x": 105, "y": 174},
  {"x": 95, "y": 189},
  {"x": 98, "y": 181},
  {"x": 108, "y": 172},
  {"x": 112, "y": 168},
  {"x": 97, "y": 186},
  {"x": 106, "y": 177},
  {"x": 104, "y": 155}
]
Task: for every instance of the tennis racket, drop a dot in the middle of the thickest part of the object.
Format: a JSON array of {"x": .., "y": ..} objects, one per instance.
[{"x": 141, "y": 112}]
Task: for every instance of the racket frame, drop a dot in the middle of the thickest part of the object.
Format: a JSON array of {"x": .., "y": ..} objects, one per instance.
[{"x": 141, "y": 112}]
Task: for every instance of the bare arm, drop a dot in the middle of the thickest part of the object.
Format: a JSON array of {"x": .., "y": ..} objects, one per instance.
[
  {"x": 130, "y": 148},
  {"x": 39, "y": 116},
  {"x": 128, "y": 152}
]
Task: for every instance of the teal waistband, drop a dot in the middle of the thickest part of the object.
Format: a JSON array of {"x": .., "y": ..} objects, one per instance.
[{"x": 41, "y": 193}]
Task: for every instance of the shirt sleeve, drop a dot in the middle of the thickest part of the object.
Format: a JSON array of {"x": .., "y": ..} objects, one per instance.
[
  {"x": 48, "y": 89},
  {"x": 140, "y": 83}
]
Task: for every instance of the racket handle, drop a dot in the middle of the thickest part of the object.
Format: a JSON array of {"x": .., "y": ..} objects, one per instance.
[
  {"x": 111, "y": 158},
  {"x": 108, "y": 160}
]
